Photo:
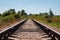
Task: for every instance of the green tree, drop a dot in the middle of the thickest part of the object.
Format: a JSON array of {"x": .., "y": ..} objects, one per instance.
[
  {"x": 45, "y": 13},
  {"x": 51, "y": 13},
  {"x": 23, "y": 12},
  {"x": 6, "y": 13},
  {"x": 30, "y": 14},
  {"x": 0, "y": 14},
  {"x": 19, "y": 13},
  {"x": 40, "y": 14},
  {"x": 12, "y": 11}
]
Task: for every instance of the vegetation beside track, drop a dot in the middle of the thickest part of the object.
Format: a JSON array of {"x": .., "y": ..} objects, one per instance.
[
  {"x": 47, "y": 18},
  {"x": 10, "y": 17}
]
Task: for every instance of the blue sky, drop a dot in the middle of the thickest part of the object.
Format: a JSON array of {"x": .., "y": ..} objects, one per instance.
[{"x": 31, "y": 6}]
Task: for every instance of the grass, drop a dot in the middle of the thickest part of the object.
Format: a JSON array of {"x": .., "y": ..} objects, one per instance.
[
  {"x": 55, "y": 21},
  {"x": 9, "y": 20},
  {"x": 10, "y": 16}
]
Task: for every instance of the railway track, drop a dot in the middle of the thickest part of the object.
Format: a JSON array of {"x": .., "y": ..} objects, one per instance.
[{"x": 29, "y": 30}]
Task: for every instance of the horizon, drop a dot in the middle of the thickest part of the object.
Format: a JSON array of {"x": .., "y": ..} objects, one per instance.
[{"x": 31, "y": 6}]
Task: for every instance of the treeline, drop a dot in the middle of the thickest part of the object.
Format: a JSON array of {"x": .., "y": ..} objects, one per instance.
[
  {"x": 51, "y": 18},
  {"x": 11, "y": 15},
  {"x": 47, "y": 16}
]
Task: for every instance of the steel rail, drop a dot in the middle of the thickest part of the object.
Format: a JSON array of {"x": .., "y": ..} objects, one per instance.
[
  {"x": 52, "y": 33},
  {"x": 8, "y": 31}
]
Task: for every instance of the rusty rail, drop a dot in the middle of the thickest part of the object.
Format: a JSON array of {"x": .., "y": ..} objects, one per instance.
[
  {"x": 8, "y": 31},
  {"x": 52, "y": 33}
]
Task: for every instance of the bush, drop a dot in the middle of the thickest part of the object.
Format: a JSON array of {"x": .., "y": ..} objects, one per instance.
[
  {"x": 16, "y": 16},
  {"x": 6, "y": 13},
  {"x": 49, "y": 20},
  {"x": 46, "y": 16},
  {"x": 8, "y": 18}
]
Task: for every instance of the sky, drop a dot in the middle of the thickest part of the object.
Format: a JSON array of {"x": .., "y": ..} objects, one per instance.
[{"x": 31, "y": 6}]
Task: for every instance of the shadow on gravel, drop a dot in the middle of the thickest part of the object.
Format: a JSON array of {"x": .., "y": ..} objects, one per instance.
[{"x": 28, "y": 30}]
